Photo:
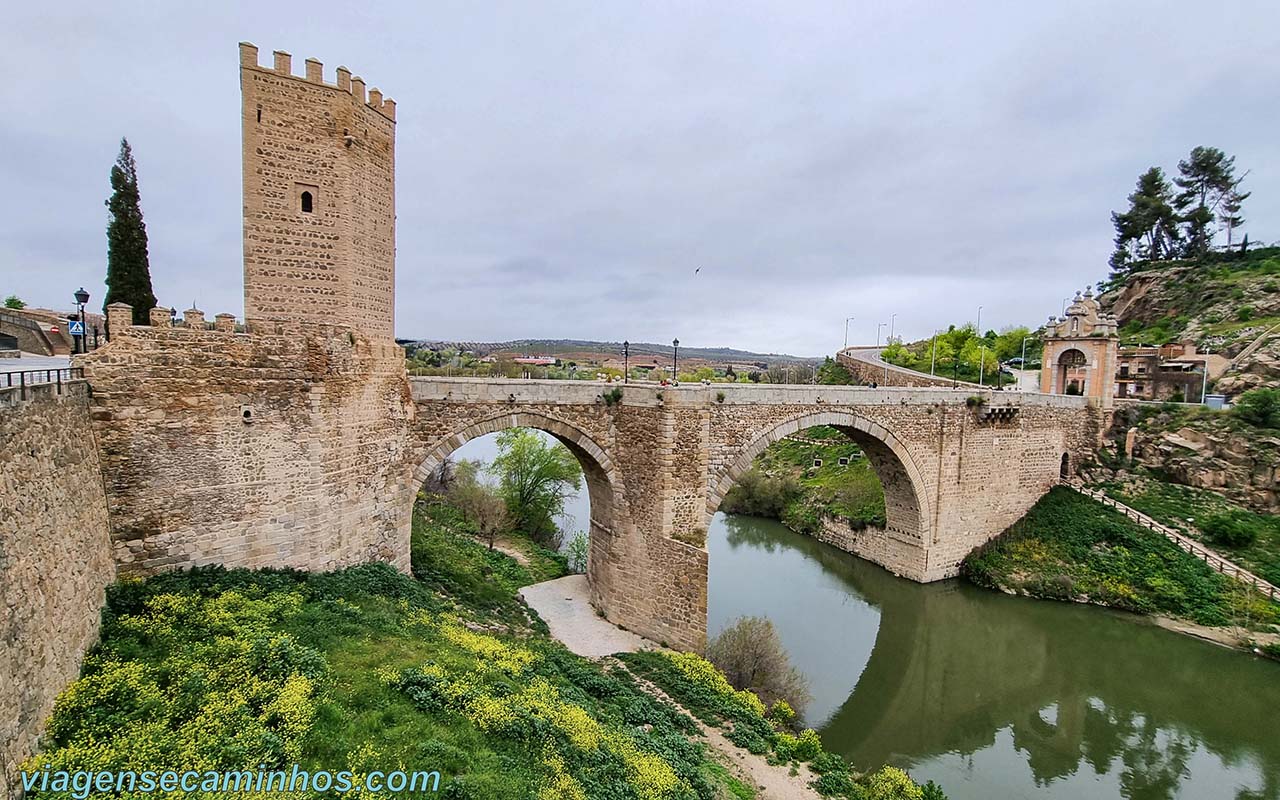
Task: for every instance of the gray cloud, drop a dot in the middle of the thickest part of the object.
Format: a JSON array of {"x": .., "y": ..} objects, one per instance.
[{"x": 564, "y": 167}]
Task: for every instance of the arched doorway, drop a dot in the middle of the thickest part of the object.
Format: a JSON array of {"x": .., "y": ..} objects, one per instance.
[
  {"x": 1072, "y": 369},
  {"x": 1064, "y": 471}
]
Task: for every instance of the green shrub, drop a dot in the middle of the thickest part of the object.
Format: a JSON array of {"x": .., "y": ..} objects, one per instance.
[
  {"x": 1260, "y": 407},
  {"x": 1244, "y": 313},
  {"x": 1232, "y": 528},
  {"x": 752, "y": 657},
  {"x": 760, "y": 495}
]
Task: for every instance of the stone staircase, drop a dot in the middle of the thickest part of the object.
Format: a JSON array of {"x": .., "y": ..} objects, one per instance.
[{"x": 1208, "y": 556}]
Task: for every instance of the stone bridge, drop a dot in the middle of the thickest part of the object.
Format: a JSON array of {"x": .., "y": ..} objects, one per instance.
[{"x": 659, "y": 460}]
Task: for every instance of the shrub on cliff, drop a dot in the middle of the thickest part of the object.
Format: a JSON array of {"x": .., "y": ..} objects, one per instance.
[{"x": 1260, "y": 407}]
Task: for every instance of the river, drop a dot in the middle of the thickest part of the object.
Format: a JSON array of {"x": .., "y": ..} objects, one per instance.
[
  {"x": 997, "y": 697},
  {"x": 993, "y": 697}
]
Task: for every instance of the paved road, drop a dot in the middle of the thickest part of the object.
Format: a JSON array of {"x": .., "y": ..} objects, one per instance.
[{"x": 30, "y": 361}]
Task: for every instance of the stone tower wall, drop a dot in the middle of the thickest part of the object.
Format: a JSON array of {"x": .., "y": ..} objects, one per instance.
[{"x": 335, "y": 264}]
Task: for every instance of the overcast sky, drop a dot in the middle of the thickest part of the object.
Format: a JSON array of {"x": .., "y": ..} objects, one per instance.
[{"x": 563, "y": 168}]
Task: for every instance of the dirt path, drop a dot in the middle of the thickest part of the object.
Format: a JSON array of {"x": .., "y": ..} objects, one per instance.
[{"x": 773, "y": 782}]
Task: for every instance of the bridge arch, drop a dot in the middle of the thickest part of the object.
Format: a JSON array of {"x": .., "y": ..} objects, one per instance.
[
  {"x": 602, "y": 477},
  {"x": 908, "y": 511}
]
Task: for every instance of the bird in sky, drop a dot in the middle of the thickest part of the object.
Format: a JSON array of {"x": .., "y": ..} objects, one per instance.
[{"x": 696, "y": 271}]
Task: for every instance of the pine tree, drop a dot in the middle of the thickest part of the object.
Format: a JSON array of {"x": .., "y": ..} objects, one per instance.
[
  {"x": 1205, "y": 178},
  {"x": 1148, "y": 230},
  {"x": 128, "y": 271},
  {"x": 1229, "y": 212}
]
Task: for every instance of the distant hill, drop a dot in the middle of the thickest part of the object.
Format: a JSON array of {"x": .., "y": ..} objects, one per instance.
[{"x": 581, "y": 348}]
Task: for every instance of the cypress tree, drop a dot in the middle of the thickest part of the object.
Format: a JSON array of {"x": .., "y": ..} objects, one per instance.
[{"x": 128, "y": 271}]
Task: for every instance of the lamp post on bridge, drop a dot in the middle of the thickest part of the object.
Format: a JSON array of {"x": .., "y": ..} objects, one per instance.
[
  {"x": 847, "y": 320},
  {"x": 82, "y": 297},
  {"x": 1024, "y": 360},
  {"x": 675, "y": 360},
  {"x": 626, "y": 361}
]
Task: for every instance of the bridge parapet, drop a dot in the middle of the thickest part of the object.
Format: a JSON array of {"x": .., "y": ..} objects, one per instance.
[{"x": 518, "y": 390}]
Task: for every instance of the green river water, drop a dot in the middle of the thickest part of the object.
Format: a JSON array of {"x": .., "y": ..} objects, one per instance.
[{"x": 997, "y": 697}]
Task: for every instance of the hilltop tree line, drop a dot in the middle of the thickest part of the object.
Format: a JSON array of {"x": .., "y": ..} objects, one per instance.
[{"x": 1162, "y": 224}]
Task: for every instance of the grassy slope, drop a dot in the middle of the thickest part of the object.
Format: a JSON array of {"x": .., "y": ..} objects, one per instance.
[
  {"x": 1069, "y": 547},
  {"x": 367, "y": 668},
  {"x": 851, "y": 492},
  {"x": 1180, "y": 506}
]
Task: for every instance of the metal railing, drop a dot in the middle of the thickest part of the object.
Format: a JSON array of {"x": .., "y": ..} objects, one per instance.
[
  {"x": 1184, "y": 542},
  {"x": 25, "y": 378}
]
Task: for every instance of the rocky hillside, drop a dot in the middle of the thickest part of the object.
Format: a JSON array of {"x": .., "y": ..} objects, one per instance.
[
  {"x": 1194, "y": 446},
  {"x": 1229, "y": 304}
]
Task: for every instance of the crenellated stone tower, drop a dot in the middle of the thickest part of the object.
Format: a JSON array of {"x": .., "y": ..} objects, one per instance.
[{"x": 319, "y": 197}]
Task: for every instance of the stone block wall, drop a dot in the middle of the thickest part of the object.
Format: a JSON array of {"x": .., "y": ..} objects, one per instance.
[
  {"x": 55, "y": 557},
  {"x": 282, "y": 447}
]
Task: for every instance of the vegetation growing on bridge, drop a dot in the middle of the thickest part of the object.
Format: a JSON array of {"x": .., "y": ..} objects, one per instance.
[
  {"x": 1069, "y": 547},
  {"x": 785, "y": 484}
]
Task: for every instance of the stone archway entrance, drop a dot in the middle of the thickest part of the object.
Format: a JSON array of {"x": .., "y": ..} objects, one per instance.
[{"x": 1072, "y": 370}]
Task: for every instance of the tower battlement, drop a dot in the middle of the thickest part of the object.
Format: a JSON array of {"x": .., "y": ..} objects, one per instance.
[
  {"x": 282, "y": 64},
  {"x": 319, "y": 196}
]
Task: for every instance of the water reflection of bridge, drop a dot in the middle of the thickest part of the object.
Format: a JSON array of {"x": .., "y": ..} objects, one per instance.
[{"x": 953, "y": 665}]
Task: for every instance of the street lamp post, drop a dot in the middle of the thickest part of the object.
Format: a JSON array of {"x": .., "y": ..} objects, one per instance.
[
  {"x": 879, "y": 327},
  {"x": 675, "y": 360},
  {"x": 982, "y": 364},
  {"x": 979, "y": 325},
  {"x": 1024, "y": 357},
  {"x": 933, "y": 361},
  {"x": 626, "y": 361},
  {"x": 846, "y": 331},
  {"x": 82, "y": 297},
  {"x": 892, "y": 319}
]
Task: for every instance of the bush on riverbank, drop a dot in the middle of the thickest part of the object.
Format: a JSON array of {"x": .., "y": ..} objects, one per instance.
[
  {"x": 1069, "y": 547},
  {"x": 752, "y": 657},
  {"x": 702, "y": 689}
]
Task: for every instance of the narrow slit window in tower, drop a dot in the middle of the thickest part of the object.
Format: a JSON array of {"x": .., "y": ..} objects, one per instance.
[{"x": 306, "y": 203}]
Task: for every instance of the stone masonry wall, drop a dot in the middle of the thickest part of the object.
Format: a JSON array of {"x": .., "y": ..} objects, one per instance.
[
  {"x": 867, "y": 372},
  {"x": 282, "y": 447},
  {"x": 55, "y": 557}
]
